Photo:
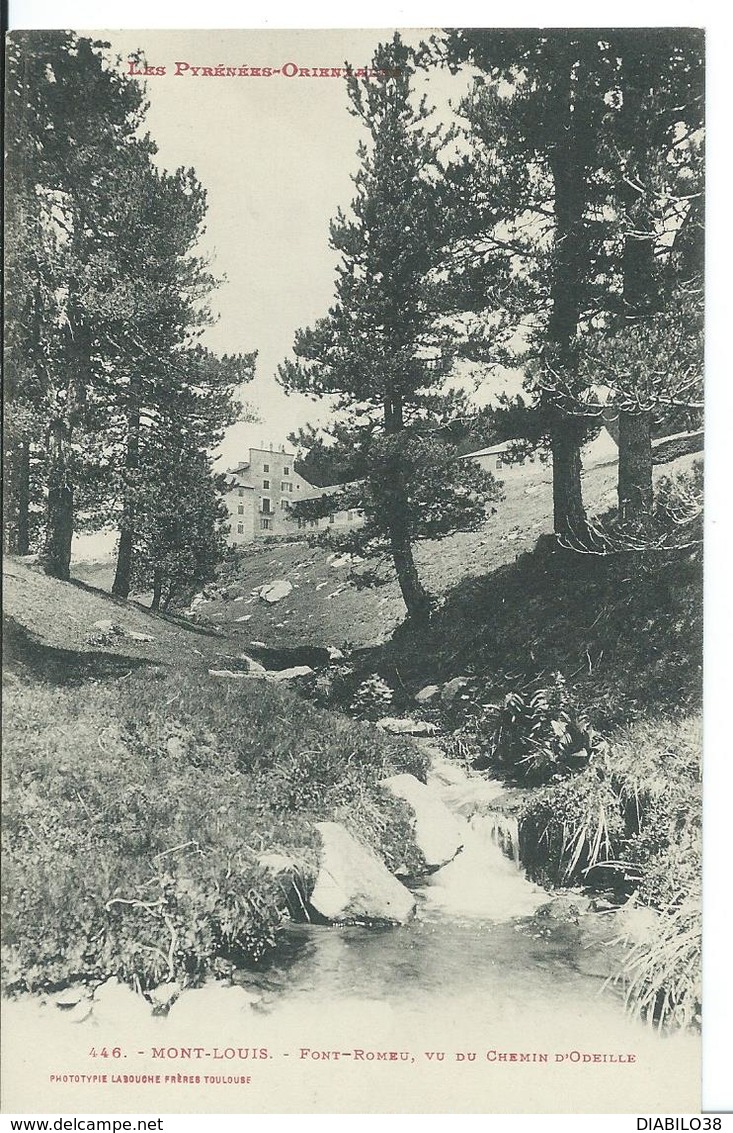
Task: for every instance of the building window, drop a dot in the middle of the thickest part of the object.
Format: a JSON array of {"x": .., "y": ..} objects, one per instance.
[
  {"x": 350, "y": 515},
  {"x": 240, "y": 509},
  {"x": 266, "y": 524},
  {"x": 302, "y": 523},
  {"x": 240, "y": 529},
  {"x": 298, "y": 486},
  {"x": 284, "y": 505},
  {"x": 286, "y": 486},
  {"x": 498, "y": 462},
  {"x": 240, "y": 491},
  {"x": 265, "y": 483},
  {"x": 332, "y": 518},
  {"x": 265, "y": 467},
  {"x": 313, "y": 522},
  {"x": 286, "y": 470},
  {"x": 266, "y": 506}
]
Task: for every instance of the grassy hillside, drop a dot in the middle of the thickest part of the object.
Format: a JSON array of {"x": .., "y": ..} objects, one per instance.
[{"x": 141, "y": 794}]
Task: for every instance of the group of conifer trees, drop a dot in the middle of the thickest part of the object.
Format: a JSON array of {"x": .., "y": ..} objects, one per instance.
[{"x": 112, "y": 404}]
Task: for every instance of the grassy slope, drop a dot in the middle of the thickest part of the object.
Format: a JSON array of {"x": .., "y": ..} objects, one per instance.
[{"x": 140, "y": 793}]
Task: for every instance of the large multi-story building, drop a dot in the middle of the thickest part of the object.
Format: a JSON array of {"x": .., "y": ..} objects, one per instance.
[{"x": 262, "y": 491}]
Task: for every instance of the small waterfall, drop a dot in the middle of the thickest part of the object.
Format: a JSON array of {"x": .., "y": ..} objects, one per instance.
[
  {"x": 485, "y": 880},
  {"x": 504, "y": 830}
]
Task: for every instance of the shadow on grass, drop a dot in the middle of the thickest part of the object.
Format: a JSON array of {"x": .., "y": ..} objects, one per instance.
[
  {"x": 25, "y": 655},
  {"x": 177, "y": 620},
  {"x": 627, "y": 626}
]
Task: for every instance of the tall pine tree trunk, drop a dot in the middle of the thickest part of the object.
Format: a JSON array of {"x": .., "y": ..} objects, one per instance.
[
  {"x": 396, "y": 504},
  {"x": 157, "y": 590},
  {"x": 568, "y": 512},
  {"x": 635, "y": 490},
  {"x": 56, "y": 554},
  {"x": 16, "y": 497},
  {"x": 123, "y": 572},
  {"x": 568, "y": 169},
  {"x": 415, "y": 596},
  {"x": 24, "y": 497}
]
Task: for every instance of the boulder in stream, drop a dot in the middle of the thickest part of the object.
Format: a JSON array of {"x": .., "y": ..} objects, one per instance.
[
  {"x": 353, "y": 885},
  {"x": 438, "y": 833}
]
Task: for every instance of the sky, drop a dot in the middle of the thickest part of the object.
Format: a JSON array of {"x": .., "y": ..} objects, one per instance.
[{"x": 276, "y": 156}]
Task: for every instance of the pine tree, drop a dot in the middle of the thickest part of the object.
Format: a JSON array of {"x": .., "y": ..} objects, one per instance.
[
  {"x": 380, "y": 350},
  {"x": 106, "y": 302},
  {"x": 652, "y": 151},
  {"x": 534, "y": 117},
  {"x": 585, "y": 159},
  {"x": 71, "y": 121}
]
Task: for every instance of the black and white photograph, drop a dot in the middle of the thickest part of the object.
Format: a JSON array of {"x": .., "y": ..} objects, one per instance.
[{"x": 353, "y": 570}]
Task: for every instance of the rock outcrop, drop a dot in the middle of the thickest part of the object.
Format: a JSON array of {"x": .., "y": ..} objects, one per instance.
[{"x": 353, "y": 885}]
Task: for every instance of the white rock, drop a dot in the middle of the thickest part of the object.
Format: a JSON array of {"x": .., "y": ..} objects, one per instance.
[
  {"x": 252, "y": 665},
  {"x": 106, "y": 625},
  {"x": 275, "y": 591},
  {"x": 404, "y": 726},
  {"x": 288, "y": 674},
  {"x": 236, "y": 675},
  {"x": 452, "y": 688},
  {"x": 135, "y": 636},
  {"x": 244, "y": 618},
  {"x": 334, "y": 654},
  {"x": 427, "y": 693},
  {"x": 213, "y": 1001},
  {"x": 354, "y": 885},
  {"x": 438, "y": 833},
  {"x": 116, "y": 1004}
]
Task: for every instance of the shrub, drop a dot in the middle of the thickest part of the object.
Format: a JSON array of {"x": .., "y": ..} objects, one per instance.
[
  {"x": 372, "y": 698},
  {"x": 535, "y": 735}
]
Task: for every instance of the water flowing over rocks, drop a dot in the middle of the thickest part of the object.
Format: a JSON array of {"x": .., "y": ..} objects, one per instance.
[
  {"x": 353, "y": 885},
  {"x": 438, "y": 833}
]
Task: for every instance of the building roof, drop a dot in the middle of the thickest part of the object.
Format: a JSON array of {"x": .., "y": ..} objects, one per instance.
[{"x": 492, "y": 450}]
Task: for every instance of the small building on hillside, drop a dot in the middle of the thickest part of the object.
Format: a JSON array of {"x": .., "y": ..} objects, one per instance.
[
  {"x": 261, "y": 494},
  {"x": 497, "y": 458}
]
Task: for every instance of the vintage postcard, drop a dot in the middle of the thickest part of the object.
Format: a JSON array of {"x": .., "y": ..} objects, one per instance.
[{"x": 353, "y": 570}]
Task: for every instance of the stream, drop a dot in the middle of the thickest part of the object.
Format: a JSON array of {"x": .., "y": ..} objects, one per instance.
[{"x": 474, "y": 1006}]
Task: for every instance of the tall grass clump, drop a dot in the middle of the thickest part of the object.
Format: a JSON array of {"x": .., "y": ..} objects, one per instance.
[{"x": 632, "y": 820}]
